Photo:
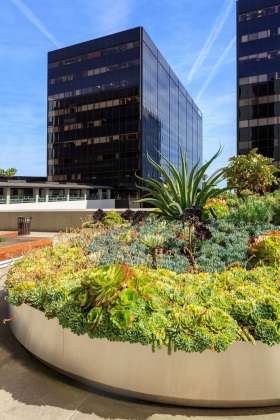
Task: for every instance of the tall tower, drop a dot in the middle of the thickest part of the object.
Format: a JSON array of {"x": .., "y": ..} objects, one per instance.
[
  {"x": 111, "y": 101},
  {"x": 258, "y": 77}
]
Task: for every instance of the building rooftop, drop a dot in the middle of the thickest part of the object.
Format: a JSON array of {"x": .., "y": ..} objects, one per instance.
[{"x": 24, "y": 184}]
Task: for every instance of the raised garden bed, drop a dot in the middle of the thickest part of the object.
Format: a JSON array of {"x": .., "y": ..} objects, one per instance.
[
  {"x": 183, "y": 311},
  {"x": 243, "y": 376}
]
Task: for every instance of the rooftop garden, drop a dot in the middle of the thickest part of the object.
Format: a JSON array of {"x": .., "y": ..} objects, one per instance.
[{"x": 200, "y": 272}]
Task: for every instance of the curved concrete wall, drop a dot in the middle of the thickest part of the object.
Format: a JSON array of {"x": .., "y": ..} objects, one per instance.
[{"x": 243, "y": 376}]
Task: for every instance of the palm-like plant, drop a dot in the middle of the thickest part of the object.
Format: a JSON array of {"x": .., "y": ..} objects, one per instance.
[{"x": 179, "y": 190}]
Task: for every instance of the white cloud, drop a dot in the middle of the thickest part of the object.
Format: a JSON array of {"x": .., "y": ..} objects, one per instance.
[
  {"x": 215, "y": 69},
  {"x": 30, "y": 16},
  {"x": 214, "y": 33}
]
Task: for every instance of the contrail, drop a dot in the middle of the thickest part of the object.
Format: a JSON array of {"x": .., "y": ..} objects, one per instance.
[
  {"x": 215, "y": 69},
  {"x": 35, "y": 21},
  {"x": 215, "y": 32}
]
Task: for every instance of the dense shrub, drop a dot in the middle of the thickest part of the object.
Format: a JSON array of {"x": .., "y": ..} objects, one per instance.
[
  {"x": 253, "y": 210},
  {"x": 252, "y": 172},
  {"x": 131, "y": 245},
  {"x": 273, "y": 200},
  {"x": 228, "y": 245},
  {"x": 216, "y": 209},
  {"x": 189, "y": 312},
  {"x": 266, "y": 249},
  {"x": 112, "y": 218}
]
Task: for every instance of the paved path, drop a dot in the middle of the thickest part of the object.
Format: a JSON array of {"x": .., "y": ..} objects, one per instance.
[{"x": 30, "y": 391}]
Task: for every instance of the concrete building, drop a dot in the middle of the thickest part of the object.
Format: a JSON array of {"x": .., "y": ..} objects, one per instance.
[{"x": 19, "y": 193}]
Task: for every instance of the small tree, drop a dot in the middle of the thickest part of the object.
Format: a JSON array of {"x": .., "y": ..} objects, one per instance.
[
  {"x": 252, "y": 172},
  {"x": 8, "y": 172}
]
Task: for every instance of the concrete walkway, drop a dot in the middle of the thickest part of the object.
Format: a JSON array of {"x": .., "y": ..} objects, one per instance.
[{"x": 31, "y": 391}]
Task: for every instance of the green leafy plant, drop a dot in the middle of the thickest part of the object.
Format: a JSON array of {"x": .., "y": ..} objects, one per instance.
[
  {"x": 216, "y": 208},
  {"x": 101, "y": 287},
  {"x": 253, "y": 210},
  {"x": 178, "y": 190},
  {"x": 113, "y": 218},
  {"x": 252, "y": 172},
  {"x": 153, "y": 242},
  {"x": 88, "y": 224},
  {"x": 266, "y": 249},
  {"x": 8, "y": 172},
  {"x": 187, "y": 312}
]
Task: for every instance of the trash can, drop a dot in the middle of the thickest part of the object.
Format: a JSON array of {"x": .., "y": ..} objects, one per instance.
[{"x": 24, "y": 225}]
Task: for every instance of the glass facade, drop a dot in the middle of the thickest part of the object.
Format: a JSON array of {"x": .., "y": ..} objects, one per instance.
[
  {"x": 258, "y": 76},
  {"x": 170, "y": 117},
  {"x": 110, "y": 102}
]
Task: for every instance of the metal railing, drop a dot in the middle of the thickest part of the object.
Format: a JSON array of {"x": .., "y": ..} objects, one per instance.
[
  {"x": 25, "y": 199},
  {"x": 76, "y": 198},
  {"x": 57, "y": 198},
  {"x": 51, "y": 198}
]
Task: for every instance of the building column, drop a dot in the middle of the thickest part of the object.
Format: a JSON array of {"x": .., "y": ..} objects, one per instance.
[
  {"x": 85, "y": 194},
  {"x": 36, "y": 194},
  {"x": 99, "y": 193},
  {"x": 108, "y": 193},
  {"x": 47, "y": 194},
  {"x": 67, "y": 193},
  {"x": 7, "y": 194}
]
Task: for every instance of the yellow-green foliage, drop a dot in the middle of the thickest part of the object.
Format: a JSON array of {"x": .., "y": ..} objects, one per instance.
[
  {"x": 189, "y": 312},
  {"x": 216, "y": 208},
  {"x": 46, "y": 268},
  {"x": 112, "y": 218},
  {"x": 266, "y": 249}
]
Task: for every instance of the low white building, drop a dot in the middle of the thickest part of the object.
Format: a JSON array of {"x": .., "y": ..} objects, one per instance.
[{"x": 25, "y": 195}]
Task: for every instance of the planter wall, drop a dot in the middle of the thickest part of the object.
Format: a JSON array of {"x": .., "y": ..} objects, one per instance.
[{"x": 243, "y": 376}]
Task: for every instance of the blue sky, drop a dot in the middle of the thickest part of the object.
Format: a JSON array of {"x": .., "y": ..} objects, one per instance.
[{"x": 196, "y": 37}]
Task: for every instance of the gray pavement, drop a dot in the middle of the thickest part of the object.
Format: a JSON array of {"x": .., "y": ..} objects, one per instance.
[{"x": 31, "y": 391}]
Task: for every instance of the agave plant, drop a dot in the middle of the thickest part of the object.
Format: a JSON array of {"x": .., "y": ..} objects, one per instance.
[{"x": 178, "y": 190}]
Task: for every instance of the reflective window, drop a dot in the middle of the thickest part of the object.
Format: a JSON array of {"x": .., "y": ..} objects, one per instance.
[
  {"x": 95, "y": 54},
  {"x": 266, "y": 55},
  {"x": 260, "y": 13},
  {"x": 93, "y": 72}
]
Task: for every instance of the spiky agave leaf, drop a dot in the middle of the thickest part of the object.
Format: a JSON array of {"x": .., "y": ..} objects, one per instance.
[{"x": 181, "y": 189}]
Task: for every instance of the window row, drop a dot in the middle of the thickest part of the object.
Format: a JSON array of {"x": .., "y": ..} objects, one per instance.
[
  {"x": 257, "y": 14},
  {"x": 259, "y": 111},
  {"x": 260, "y": 35},
  {"x": 89, "y": 90},
  {"x": 93, "y": 72},
  {"x": 259, "y": 90},
  {"x": 260, "y": 78},
  {"x": 77, "y": 126},
  {"x": 266, "y": 55},
  {"x": 94, "y": 106},
  {"x": 95, "y": 54},
  {"x": 259, "y": 101},
  {"x": 259, "y": 122},
  {"x": 101, "y": 140}
]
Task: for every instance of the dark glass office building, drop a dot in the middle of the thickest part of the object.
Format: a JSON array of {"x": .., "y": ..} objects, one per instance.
[
  {"x": 110, "y": 102},
  {"x": 258, "y": 76}
]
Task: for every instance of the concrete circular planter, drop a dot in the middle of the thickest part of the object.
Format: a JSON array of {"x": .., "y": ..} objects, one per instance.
[{"x": 243, "y": 376}]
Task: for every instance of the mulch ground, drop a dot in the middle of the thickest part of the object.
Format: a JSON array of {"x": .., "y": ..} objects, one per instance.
[
  {"x": 8, "y": 234},
  {"x": 22, "y": 248}
]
